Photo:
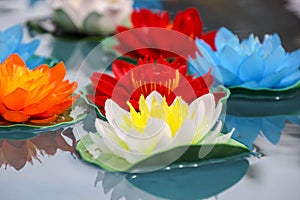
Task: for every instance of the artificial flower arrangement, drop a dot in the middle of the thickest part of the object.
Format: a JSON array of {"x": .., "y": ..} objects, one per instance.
[
  {"x": 249, "y": 64},
  {"x": 11, "y": 42},
  {"x": 93, "y": 17},
  {"x": 155, "y": 109}
]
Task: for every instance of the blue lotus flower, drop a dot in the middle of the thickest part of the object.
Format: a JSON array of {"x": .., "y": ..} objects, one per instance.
[
  {"x": 11, "y": 42},
  {"x": 249, "y": 63}
]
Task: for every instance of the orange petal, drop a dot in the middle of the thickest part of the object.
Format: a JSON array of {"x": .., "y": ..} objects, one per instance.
[
  {"x": 16, "y": 99},
  {"x": 58, "y": 72},
  {"x": 42, "y": 68},
  {"x": 44, "y": 121},
  {"x": 15, "y": 59},
  {"x": 15, "y": 116},
  {"x": 41, "y": 106}
]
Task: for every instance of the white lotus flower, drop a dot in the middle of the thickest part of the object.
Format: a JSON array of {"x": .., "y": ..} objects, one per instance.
[
  {"x": 157, "y": 127},
  {"x": 91, "y": 16}
]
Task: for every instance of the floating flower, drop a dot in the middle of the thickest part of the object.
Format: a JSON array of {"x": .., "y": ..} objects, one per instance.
[
  {"x": 91, "y": 17},
  {"x": 131, "y": 81},
  {"x": 187, "y": 22},
  {"x": 249, "y": 63},
  {"x": 17, "y": 153},
  {"x": 156, "y": 127},
  {"x": 11, "y": 42},
  {"x": 36, "y": 96}
]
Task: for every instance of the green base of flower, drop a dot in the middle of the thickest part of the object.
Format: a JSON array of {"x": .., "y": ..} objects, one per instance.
[
  {"x": 264, "y": 104},
  {"x": 18, "y": 131},
  {"x": 174, "y": 158},
  {"x": 265, "y": 93}
]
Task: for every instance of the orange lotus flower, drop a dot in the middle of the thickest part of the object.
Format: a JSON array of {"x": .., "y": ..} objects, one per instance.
[{"x": 33, "y": 96}]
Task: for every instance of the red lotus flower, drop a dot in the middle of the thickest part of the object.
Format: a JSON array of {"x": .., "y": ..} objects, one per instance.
[
  {"x": 187, "y": 22},
  {"x": 170, "y": 79}
]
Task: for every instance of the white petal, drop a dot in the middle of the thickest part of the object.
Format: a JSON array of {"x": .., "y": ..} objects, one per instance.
[
  {"x": 157, "y": 96},
  {"x": 212, "y": 138},
  {"x": 145, "y": 142},
  {"x": 185, "y": 134},
  {"x": 226, "y": 137},
  {"x": 110, "y": 139},
  {"x": 115, "y": 115}
]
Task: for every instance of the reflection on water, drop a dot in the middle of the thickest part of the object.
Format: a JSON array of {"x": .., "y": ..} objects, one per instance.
[
  {"x": 16, "y": 153},
  {"x": 196, "y": 182},
  {"x": 248, "y": 128}
]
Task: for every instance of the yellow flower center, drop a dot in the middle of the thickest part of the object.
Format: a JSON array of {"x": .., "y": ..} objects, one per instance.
[{"x": 173, "y": 115}]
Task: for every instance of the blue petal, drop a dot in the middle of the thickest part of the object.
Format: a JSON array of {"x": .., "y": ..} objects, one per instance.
[
  {"x": 226, "y": 37},
  {"x": 273, "y": 80},
  {"x": 290, "y": 80},
  {"x": 293, "y": 59},
  {"x": 230, "y": 59},
  {"x": 271, "y": 128},
  {"x": 13, "y": 37},
  {"x": 5, "y": 51},
  {"x": 250, "y": 45},
  {"x": 270, "y": 43},
  {"x": 207, "y": 52},
  {"x": 27, "y": 50},
  {"x": 247, "y": 129},
  {"x": 274, "y": 60},
  {"x": 229, "y": 79},
  {"x": 198, "y": 66},
  {"x": 251, "y": 85},
  {"x": 252, "y": 68}
]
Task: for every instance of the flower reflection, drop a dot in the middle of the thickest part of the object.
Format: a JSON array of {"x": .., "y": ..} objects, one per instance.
[
  {"x": 247, "y": 129},
  {"x": 16, "y": 153}
]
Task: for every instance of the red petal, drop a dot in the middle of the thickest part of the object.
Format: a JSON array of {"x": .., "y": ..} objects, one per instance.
[
  {"x": 189, "y": 23},
  {"x": 120, "y": 67},
  {"x": 209, "y": 38}
]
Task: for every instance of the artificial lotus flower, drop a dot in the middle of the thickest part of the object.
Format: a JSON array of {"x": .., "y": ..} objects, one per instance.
[
  {"x": 249, "y": 64},
  {"x": 91, "y": 17},
  {"x": 35, "y": 96},
  {"x": 11, "y": 42},
  {"x": 131, "y": 81},
  {"x": 156, "y": 127},
  {"x": 17, "y": 153},
  {"x": 187, "y": 22}
]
